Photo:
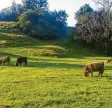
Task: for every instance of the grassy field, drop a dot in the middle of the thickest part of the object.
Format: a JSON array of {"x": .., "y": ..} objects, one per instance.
[{"x": 53, "y": 77}]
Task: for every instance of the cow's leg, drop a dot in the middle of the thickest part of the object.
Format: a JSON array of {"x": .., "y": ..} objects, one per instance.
[
  {"x": 92, "y": 74},
  {"x": 88, "y": 73},
  {"x": 100, "y": 73}
]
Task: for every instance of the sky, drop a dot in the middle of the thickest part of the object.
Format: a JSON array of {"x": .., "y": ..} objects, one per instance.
[{"x": 70, "y": 6}]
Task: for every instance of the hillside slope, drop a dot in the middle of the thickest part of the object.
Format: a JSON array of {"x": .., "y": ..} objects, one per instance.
[{"x": 53, "y": 77}]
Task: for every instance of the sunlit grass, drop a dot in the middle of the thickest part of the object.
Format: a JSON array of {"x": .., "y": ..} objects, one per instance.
[{"x": 52, "y": 81}]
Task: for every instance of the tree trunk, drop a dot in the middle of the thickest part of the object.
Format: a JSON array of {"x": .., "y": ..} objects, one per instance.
[{"x": 105, "y": 47}]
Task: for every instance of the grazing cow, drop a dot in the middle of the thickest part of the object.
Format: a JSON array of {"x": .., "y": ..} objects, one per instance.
[
  {"x": 92, "y": 67},
  {"x": 109, "y": 60},
  {"x": 21, "y": 60},
  {"x": 5, "y": 59}
]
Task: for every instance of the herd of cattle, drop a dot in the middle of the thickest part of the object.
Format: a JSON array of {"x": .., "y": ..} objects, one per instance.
[
  {"x": 89, "y": 68},
  {"x": 19, "y": 60}
]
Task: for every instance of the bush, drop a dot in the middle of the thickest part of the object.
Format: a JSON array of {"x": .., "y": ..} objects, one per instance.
[{"x": 50, "y": 51}]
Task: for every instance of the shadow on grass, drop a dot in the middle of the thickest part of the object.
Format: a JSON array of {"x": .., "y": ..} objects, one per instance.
[
  {"x": 7, "y": 54},
  {"x": 43, "y": 63},
  {"x": 108, "y": 67},
  {"x": 52, "y": 60},
  {"x": 48, "y": 65},
  {"x": 54, "y": 65}
]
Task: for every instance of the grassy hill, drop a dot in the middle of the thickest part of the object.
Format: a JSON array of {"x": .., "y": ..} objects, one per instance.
[
  {"x": 9, "y": 27},
  {"x": 53, "y": 77}
]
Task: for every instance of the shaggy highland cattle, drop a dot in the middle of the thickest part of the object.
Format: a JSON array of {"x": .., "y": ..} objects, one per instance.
[
  {"x": 109, "y": 60},
  {"x": 5, "y": 59},
  {"x": 21, "y": 60},
  {"x": 94, "y": 67}
]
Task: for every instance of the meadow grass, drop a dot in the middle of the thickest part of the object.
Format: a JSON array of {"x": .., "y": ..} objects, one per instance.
[
  {"x": 52, "y": 81},
  {"x": 9, "y": 27}
]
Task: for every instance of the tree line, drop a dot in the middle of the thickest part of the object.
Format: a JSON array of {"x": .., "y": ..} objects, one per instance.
[
  {"x": 94, "y": 27},
  {"x": 35, "y": 19}
]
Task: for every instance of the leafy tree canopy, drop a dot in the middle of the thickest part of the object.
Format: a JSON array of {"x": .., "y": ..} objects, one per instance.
[
  {"x": 44, "y": 24},
  {"x": 34, "y": 4}
]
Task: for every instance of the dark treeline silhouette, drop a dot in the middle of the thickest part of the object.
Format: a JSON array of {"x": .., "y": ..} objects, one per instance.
[{"x": 35, "y": 19}]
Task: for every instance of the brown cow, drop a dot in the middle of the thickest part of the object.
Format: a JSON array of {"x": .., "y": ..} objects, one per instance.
[
  {"x": 21, "y": 60},
  {"x": 92, "y": 67},
  {"x": 5, "y": 59}
]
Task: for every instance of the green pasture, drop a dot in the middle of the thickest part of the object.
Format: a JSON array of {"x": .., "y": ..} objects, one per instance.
[{"x": 53, "y": 77}]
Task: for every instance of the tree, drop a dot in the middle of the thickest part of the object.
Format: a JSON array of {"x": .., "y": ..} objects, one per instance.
[
  {"x": 43, "y": 24},
  {"x": 11, "y": 13},
  {"x": 34, "y": 4},
  {"x": 96, "y": 27},
  {"x": 85, "y": 9},
  {"x": 14, "y": 7},
  {"x": 8, "y": 15}
]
